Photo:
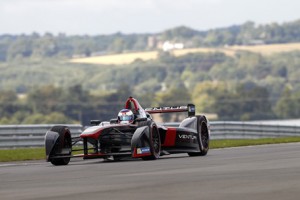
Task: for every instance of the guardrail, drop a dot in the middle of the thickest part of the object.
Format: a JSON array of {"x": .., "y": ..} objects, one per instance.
[
  {"x": 248, "y": 130},
  {"x": 251, "y": 130},
  {"x": 14, "y": 136}
]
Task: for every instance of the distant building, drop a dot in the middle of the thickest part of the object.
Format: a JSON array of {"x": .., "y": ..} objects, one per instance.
[{"x": 168, "y": 46}]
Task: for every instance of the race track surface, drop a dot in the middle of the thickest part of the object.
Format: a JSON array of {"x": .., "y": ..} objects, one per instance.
[{"x": 260, "y": 172}]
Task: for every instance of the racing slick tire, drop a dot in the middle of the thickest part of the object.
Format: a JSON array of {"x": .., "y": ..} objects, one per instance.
[
  {"x": 203, "y": 136},
  {"x": 155, "y": 144},
  {"x": 63, "y": 143}
]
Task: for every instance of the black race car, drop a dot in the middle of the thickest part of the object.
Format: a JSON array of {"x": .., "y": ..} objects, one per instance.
[{"x": 137, "y": 137}]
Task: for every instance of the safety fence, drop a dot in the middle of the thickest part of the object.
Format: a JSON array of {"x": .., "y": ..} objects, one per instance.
[
  {"x": 248, "y": 130},
  {"x": 14, "y": 136}
]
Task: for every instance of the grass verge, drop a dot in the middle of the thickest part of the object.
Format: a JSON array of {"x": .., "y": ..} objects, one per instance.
[
  {"x": 215, "y": 144},
  {"x": 8, "y": 155}
]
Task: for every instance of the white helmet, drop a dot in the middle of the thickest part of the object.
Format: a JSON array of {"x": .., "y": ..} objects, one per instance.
[{"x": 125, "y": 116}]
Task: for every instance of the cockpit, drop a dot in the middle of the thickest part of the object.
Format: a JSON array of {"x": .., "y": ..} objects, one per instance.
[{"x": 133, "y": 105}]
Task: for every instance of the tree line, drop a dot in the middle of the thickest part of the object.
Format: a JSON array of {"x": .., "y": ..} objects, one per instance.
[
  {"x": 37, "y": 85},
  {"x": 53, "y": 105},
  {"x": 14, "y": 47},
  {"x": 247, "y": 86}
]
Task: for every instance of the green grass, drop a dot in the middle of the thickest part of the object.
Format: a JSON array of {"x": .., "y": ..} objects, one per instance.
[
  {"x": 8, "y": 155},
  {"x": 215, "y": 144}
]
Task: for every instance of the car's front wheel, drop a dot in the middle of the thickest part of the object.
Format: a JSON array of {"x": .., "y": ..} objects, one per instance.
[
  {"x": 155, "y": 144},
  {"x": 63, "y": 146}
]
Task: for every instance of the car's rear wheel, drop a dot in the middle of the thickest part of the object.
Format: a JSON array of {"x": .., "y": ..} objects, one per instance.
[
  {"x": 203, "y": 137},
  {"x": 63, "y": 146}
]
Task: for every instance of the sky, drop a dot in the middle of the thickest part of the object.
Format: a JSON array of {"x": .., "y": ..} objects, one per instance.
[{"x": 94, "y": 17}]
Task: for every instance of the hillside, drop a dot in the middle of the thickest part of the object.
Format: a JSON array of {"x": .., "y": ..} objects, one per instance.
[
  {"x": 36, "y": 46},
  {"x": 127, "y": 58},
  {"x": 247, "y": 86},
  {"x": 245, "y": 72}
]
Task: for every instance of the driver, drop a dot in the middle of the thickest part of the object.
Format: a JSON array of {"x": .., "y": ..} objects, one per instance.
[{"x": 125, "y": 116}]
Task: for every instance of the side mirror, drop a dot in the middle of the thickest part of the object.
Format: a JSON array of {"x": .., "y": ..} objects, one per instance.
[
  {"x": 191, "y": 110},
  {"x": 95, "y": 122}
]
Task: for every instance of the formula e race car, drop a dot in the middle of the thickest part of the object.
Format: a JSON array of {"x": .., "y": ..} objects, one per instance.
[{"x": 133, "y": 134}]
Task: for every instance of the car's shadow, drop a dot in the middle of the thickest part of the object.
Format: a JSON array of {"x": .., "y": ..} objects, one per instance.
[{"x": 80, "y": 161}]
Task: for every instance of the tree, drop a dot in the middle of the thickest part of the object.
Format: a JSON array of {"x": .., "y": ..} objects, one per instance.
[
  {"x": 246, "y": 102},
  {"x": 253, "y": 102},
  {"x": 174, "y": 97},
  {"x": 288, "y": 106},
  {"x": 51, "y": 118},
  {"x": 204, "y": 95},
  {"x": 117, "y": 45},
  {"x": 20, "y": 48},
  {"x": 8, "y": 97},
  {"x": 46, "y": 99},
  {"x": 8, "y": 101}
]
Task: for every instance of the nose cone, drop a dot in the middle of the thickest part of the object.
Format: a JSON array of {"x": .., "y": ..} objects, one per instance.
[{"x": 93, "y": 132}]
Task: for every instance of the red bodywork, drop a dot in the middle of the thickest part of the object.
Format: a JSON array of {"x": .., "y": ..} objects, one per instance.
[{"x": 170, "y": 137}]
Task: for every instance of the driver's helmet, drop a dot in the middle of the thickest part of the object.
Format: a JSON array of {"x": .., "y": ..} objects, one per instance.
[{"x": 125, "y": 116}]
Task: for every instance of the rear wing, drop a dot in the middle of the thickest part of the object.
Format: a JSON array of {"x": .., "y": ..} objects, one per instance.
[{"x": 190, "y": 108}]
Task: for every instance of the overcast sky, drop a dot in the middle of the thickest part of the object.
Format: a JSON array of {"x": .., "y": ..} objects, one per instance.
[{"x": 94, "y": 17}]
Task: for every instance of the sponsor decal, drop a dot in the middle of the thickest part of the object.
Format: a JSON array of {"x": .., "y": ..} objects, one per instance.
[
  {"x": 166, "y": 108},
  {"x": 143, "y": 150},
  {"x": 187, "y": 138}
]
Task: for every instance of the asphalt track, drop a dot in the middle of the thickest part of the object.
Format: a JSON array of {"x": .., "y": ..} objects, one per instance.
[{"x": 260, "y": 172}]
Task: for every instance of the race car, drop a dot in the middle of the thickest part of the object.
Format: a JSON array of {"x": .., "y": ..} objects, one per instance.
[{"x": 133, "y": 134}]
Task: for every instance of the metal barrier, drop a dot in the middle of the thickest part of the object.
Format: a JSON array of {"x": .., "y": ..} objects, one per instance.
[
  {"x": 248, "y": 130},
  {"x": 14, "y": 136},
  {"x": 251, "y": 130}
]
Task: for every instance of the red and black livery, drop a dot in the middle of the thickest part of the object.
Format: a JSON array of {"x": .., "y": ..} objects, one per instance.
[{"x": 142, "y": 139}]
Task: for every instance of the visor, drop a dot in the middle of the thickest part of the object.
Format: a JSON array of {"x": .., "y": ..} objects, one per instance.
[{"x": 126, "y": 118}]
